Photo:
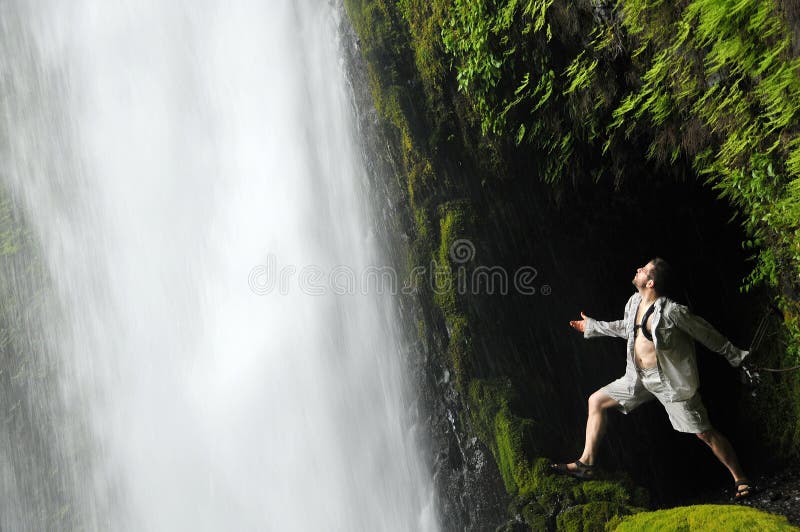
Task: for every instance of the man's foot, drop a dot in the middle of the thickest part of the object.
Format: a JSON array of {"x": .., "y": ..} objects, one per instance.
[
  {"x": 576, "y": 469},
  {"x": 744, "y": 489}
]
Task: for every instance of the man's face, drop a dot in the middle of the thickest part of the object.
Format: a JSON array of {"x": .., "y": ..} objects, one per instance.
[{"x": 642, "y": 275}]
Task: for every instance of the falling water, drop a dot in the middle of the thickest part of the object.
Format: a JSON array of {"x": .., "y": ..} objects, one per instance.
[{"x": 160, "y": 155}]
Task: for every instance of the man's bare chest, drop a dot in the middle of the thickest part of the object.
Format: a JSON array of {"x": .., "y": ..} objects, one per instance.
[{"x": 644, "y": 348}]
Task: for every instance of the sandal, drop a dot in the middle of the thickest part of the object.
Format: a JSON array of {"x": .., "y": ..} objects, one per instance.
[
  {"x": 581, "y": 471},
  {"x": 744, "y": 489}
]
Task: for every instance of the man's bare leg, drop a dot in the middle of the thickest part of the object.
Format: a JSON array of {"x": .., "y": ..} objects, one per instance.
[
  {"x": 724, "y": 452},
  {"x": 599, "y": 402}
]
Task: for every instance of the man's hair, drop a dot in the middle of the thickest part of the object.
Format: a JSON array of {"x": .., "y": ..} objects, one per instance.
[{"x": 663, "y": 279}]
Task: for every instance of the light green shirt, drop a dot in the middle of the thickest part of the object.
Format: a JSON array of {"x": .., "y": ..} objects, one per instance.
[{"x": 674, "y": 330}]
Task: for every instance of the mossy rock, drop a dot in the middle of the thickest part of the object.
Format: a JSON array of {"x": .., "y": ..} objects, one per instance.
[
  {"x": 503, "y": 432},
  {"x": 535, "y": 516},
  {"x": 705, "y": 517},
  {"x": 602, "y": 490},
  {"x": 540, "y": 495},
  {"x": 592, "y": 516}
]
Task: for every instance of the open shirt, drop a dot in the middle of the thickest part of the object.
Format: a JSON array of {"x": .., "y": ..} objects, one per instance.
[{"x": 674, "y": 329}]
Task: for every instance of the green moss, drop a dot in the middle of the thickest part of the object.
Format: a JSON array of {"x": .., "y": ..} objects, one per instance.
[
  {"x": 510, "y": 433},
  {"x": 590, "y": 517},
  {"x": 421, "y": 181},
  {"x": 505, "y": 434},
  {"x": 390, "y": 104},
  {"x": 422, "y": 223},
  {"x": 425, "y": 19},
  {"x": 454, "y": 221},
  {"x": 535, "y": 516},
  {"x": 458, "y": 348},
  {"x": 511, "y": 440},
  {"x": 602, "y": 491},
  {"x": 703, "y": 518}
]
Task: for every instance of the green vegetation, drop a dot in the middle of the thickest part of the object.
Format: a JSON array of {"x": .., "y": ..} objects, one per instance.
[
  {"x": 469, "y": 90},
  {"x": 724, "y": 69},
  {"x": 511, "y": 441},
  {"x": 712, "y": 85},
  {"x": 589, "y": 517},
  {"x": 708, "y": 518}
]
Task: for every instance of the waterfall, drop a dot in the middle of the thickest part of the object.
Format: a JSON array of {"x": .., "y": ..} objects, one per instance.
[{"x": 189, "y": 174}]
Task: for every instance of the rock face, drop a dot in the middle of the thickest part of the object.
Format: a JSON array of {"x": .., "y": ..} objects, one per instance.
[
  {"x": 507, "y": 259},
  {"x": 469, "y": 488}
]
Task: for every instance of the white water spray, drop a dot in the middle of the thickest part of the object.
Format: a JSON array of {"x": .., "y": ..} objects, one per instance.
[{"x": 160, "y": 151}]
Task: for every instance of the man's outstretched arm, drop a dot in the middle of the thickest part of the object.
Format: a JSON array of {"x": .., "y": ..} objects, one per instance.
[
  {"x": 592, "y": 328},
  {"x": 706, "y": 334}
]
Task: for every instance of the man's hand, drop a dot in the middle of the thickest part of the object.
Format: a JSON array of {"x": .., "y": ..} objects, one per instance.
[{"x": 579, "y": 325}]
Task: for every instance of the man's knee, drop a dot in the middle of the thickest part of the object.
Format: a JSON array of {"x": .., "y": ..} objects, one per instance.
[
  {"x": 706, "y": 437},
  {"x": 599, "y": 401}
]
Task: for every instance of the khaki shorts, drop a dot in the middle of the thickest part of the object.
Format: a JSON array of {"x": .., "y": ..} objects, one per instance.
[{"x": 686, "y": 416}]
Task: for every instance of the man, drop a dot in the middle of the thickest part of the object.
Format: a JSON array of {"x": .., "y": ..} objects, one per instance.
[{"x": 661, "y": 365}]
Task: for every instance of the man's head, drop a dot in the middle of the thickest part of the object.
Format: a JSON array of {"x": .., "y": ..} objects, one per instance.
[{"x": 655, "y": 275}]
